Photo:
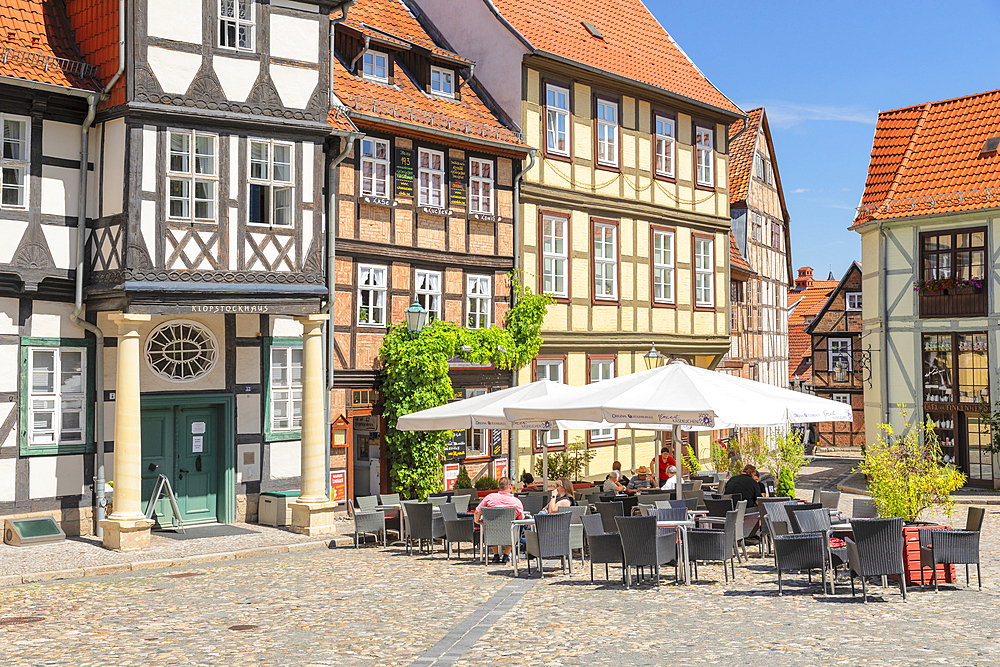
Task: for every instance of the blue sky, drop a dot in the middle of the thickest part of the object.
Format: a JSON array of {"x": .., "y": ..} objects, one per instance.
[{"x": 822, "y": 71}]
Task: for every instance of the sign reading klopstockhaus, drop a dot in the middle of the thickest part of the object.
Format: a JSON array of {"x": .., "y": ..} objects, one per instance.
[
  {"x": 404, "y": 165},
  {"x": 239, "y": 308}
]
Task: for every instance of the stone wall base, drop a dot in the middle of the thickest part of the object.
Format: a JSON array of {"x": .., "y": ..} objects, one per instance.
[
  {"x": 314, "y": 518},
  {"x": 127, "y": 535}
]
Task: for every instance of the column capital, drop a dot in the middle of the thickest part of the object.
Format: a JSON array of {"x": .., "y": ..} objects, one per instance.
[
  {"x": 311, "y": 323},
  {"x": 127, "y": 321}
]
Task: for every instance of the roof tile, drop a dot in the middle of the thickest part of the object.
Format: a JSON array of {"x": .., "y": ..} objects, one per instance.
[
  {"x": 37, "y": 44},
  {"x": 807, "y": 303},
  {"x": 741, "y": 151}
]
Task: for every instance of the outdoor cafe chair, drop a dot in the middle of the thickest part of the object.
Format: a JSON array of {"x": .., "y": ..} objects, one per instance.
[
  {"x": 666, "y": 504},
  {"x": 707, "y": 477},
  {"x": 686, "y": 502},
  {"x": 366, "y": 503},
  {"x": 642, "y": 509},
  {"x": 495, "y": 528},
  {"x": 670, "y": 513},
  {"x": 644, "y": 546},
  {"x": 603, "y": 547},
  {"x": 437, "y": 500},
  {"x": 719, "y": 508},
  {"x": 799, "y": 507},
  {"x": 608, "y": 512},
  {"x": 533, "y": 504},
  {"x": 576, "y": 527},
  {"x": 750, "y": 529},
  {"x": 803, "y": 551},
  {"x": 876, "y": 550},
  {"x": 828, "y": 499},
  {"x": 367, "y": 521},
  {"x": 549, "y": 539},
  {"x": 864, "y": 508},
  {"x": 458, "y": 530},
  {"x": 423, "y": 525},
  {"x": 461, "y": 502},
  {"x": 952, "y": 547},
  {"x": 388, "y": 498},
  {"x": 775, "y": 518},
  {"x": 714, "y": 545},
  {"x": 817, "y": 520}
]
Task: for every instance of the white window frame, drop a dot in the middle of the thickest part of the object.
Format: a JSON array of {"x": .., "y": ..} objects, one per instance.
[
  {"x": 848, "y": 301},
  {"x": 606, "y": 115},
  {"x": 269, "y": 181},
  {"x": 481, "y": 188},
  {"x": 705, "y": 156},
  {"x": 482, "y": 435},
  {"x": 370, "y": 66},
  {"x": 665, "y": 145},
  {"x": 372, "y": 183},
  {"x": 555, "y": 264},
  {"x": 250, "y": 24},
  {"x": 836, "y": 349},
  {"x": 554, "y": 115},
  {"x": 775, "y": 235},
  {"x": 445, "y": 82},
  {"x": 291, "y": 389},
  {"x": 704, "y": 272},
  {"x": 428, "y": 191},
  {"x": 605, "y": 261},
  {"x": 191, "y": 176},
  {"x": 57, "y": 397},
  {"x": 602, "y": 434},
  {"x": 377, "y": 292},
  {"x": 663, "y": 265},
  {"x": 842, "y": 398},
  {"x": 11, "y": 166},
  {"x": 429, "y": 297},
  {"x": 478, "y": 301},
  {"x": 553, "y": 370}
]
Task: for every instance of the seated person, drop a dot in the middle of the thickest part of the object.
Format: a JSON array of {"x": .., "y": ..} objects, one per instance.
[
  {"x": 617, "y": 465},
  {"x": 745, "y": 484},
  {"x": 503, "y": 498},
  {"x": 613, "y": 483},
  {"x": 671, "y": 482},
  {"x": 562, "y": 496},
  {"x": 640, "y": 481},
  {"x": 528, "y": 481}
]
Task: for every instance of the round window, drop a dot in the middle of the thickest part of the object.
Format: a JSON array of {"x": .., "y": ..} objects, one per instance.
[{"x": 181, "y": 351}]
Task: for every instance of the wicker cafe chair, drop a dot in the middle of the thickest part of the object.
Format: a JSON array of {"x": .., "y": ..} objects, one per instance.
[
  {"x": 549, "y": 539},
  {"x": 940, "y": 546},
  {"x": 864, "y": 508},
  {"x": 804, "y": 551},
  {"x": 576, "y": 527},
  {"x": 423, "y": 525},
  {"x": 367, "y": 521},
  {"x": 603, "y": 547},
  {"x": 790, "y": 510},
  {"x": 533, "y": 504},
  {"x": 715, "y": 545},
  {"x": 876, "y": 550},
  {"x": 389, "y": 498},
  {"x": 608, "y": 512},
  {"x": 366, "y": 503},
  {"x": 642, "y": 546},
  {"x": 495, "y": 529},
  {"x": 437, "y": 500},
  {"x": 818, "y": 521},
  {"x": 458, "y": 530},
  {"x": 461, "y": 502}
]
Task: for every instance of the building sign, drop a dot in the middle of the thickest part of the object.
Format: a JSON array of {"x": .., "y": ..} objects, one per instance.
[
  {"x": 435, "y": 210},
  {"x": 458, "y": 177},
  {"x": 366, "y": 423},
  {"x": 338, "y": 486},
  {"x": 238, "y": 308},
  {"x": 496, "y": 443},
  {"x": 405, "y": 162},
  {"x": 450, "y": 475},
  {"x": 457, "y": 363},
  {"x": 499, "y": 468},
  {"x": 454, "y": 451},
  {"x": 379, "y": 201},
  {"x": 482, "y": 217}
]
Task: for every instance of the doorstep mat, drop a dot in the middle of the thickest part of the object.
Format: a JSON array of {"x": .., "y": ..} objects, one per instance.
[{"x": 196, "y": 532}]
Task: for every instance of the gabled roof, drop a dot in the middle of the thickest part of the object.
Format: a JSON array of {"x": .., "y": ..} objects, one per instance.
[
  {"x": 38, "y": 45},
  {"x": 742, "y": 146},
  {"x": 739, "y": 267},
  {"x": 811, "y": 326},
  {"x": 806, "y": 304},
  {"x": 390, "y": 20},
  {"x": 928, "y": 160},
  {"x": 632, "y": 44}
]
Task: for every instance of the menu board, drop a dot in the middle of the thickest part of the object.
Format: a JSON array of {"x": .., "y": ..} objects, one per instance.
[
  {"x": 458, "y": 176},
  {"x": 455, "y": 450},
  {"x": 403, "y": 167},
  {"x": 496, "y": 443}
]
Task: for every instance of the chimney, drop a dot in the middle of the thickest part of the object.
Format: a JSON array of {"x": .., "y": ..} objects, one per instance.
[{"x": 805, "y": 279}]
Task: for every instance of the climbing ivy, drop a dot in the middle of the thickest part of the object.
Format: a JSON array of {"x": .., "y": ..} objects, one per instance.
[{"x": 415, "y": 377}]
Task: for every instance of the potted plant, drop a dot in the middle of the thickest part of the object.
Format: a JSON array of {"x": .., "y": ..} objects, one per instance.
[
  {"x": 463, "y": 483},
  {"x": 486, "y": 485}
]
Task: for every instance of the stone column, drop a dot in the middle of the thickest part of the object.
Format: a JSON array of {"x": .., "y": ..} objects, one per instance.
[
  {"x": 313, "y": 513},
  {"x": 127, "y": 529}
]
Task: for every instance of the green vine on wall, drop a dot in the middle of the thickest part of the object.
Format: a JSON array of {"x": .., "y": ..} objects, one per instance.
[{"x": 415, "y": 377}]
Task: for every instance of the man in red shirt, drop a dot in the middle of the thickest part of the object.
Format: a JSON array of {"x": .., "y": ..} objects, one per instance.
[{"x": 502, "y": 498}]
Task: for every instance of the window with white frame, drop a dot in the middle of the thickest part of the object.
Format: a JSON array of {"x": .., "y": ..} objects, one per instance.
[
  {"x": 551, "y": 369},
  {"x": 236, "y": 24},
  {"x": 375, "y": 66},
  {"x": 756, "y": 222},
  {"x": 601, "y": 370},
  {"x": 57, "y": 395},
  {"x": 480, "y": 186},
  {"x": 478, "y": 442},
  {"x": 555, "y": 255},
  {"x": 842, "y": 398},
  {"x": 286, "y": 388},
  {"x": 271, "y": 186},
  {"x": 605, "y": 261},
  {"x": 839, "y": 351},
  {"x": 427, "y": 290},
  {"x": 191, "y": 176},
  {"x": 665, "y": 146},
  {"x": 704, "y": 273},
  {"x": 14, "y": 159},
  {"x": 607, "y": 132},
  {"x": 557, "y": 120},
  {"x": 431, "y": 178},
  {"x": 663, "y": 266},
  {"x": 853, "y": 300},
  {"x": 705, "y": 156},
  {"x": 371, "y": 295},
  {"x": 479, "y": 301},
  {"x": 375, "y": 167},
  {"x": 443, "y": 82}
]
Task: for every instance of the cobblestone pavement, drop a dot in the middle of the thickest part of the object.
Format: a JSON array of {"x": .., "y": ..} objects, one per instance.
[{"x": 380, "y": 607}]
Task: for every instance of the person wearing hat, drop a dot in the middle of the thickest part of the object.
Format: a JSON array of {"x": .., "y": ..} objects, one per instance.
[{"x": 640, "y": 481}]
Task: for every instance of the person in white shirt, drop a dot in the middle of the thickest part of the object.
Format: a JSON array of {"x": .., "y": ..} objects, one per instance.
[
  {"x": 613, "y": 483},
  {"x": 671, "y": 482}
]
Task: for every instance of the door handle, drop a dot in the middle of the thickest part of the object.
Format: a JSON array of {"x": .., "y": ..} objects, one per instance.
[
  {"x": 197, "y": 463},
  {"x": 153, "y": 467},
  {"x": 181, "y": 471}
]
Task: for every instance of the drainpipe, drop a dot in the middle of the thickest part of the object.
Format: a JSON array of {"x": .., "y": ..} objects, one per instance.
[
  {"x": 81, "y": 239},
  {"x": 472, "y": 73},
  {"x": 362, "y": 52},
  {"x": 883, "y": 298},
  {"x": 517, "y": 263}
]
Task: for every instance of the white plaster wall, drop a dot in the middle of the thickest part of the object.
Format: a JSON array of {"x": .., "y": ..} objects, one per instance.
[
  {"x": 52, "y": 320},
  {"x": 62, "y": 244},
  {"x": 60, "y": 190},
  {"x": 295, "y": 85},
  {"x": 247, "y": 365},
  {"x": 54, "y": 476},
  {"x": 308, "y": 161},
  {"x": 8, "y": 482},
  {"x": 8, "y": 316},
  {"x": 248, "y": 413},
  {"x": 61, "y": 140},
  {"x": 285, "y": 459},
  {"x": 174, "y": 70},
  {"x": 179, "y": 20},
  {"x": 147, "y": 224},
  {"x": 285, "y": 326},
  {"x": 295, "y": 38},
  {"x": 247, "y": 463},
  {"x": 308, "y": 222},
  {"x": 236, "y": 76},
  {"x": 94, "y": 177},
  {"x": 114, "y": 166},
  {"x": 234, "y": 241},
  {"x": 12, "y": 230},
  {"x": 149, "y": 158},
  {"x": 247, "y": 326},
  {"x": 10, "y": 358}
]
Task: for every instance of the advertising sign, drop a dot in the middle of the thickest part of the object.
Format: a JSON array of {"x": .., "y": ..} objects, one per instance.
[
  {"x": 338, "y": 486},
  {"x": 454, "y": 451},
  {"x": 458, "y": 176},
  {"x": 496, "y": 443},
  {"x": 450, "y": 475},
  {"x": 499, "y": 468},
  {"x": 405, "y": 162}
]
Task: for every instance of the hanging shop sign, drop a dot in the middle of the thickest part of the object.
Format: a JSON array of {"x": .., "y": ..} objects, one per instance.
[{"x": 403, "y": 168}]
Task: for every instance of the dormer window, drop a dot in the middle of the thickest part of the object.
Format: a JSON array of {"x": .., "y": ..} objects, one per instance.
[
  {"x": 442, "y": 82},
  {"x": 236, "y": 24},
  {"x": 376, "y": 66}
]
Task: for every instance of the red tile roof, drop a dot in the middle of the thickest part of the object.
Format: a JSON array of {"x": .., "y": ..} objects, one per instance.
[
  {"x": 741, "y": 151},
  {"x": 807, "y": 303},
  {"x": 37, "y": 44},
  {"x": 632, "y": 43},
  {"x": 95, "y": 23},
  {"x": 737, "y": 262},
  {"x": 927, "y": 160},
  {"x": 405, "y": 103},
  {"x": 390, "y": 18}
]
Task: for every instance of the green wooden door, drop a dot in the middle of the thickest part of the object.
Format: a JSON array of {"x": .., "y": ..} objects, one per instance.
[
  {"x": 197, "y": 450},
  {"x": 158, "y": 458}
]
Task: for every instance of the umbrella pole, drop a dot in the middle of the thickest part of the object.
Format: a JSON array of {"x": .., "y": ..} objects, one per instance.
[
  {"x": 545, "y": 460},
  {"x": 678, "y": 458}
]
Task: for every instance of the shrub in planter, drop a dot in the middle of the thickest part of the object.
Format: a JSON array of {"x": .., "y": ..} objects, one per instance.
[
  {"x": 786, "y": 484},
  {"x": 463, "y": 481},
  {"x": 487, "y": 484}
]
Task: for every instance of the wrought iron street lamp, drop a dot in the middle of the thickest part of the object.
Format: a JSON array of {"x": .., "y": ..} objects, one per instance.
[
  {"x": 416, "y": 318},
  {"x": 653, "y": 358}
]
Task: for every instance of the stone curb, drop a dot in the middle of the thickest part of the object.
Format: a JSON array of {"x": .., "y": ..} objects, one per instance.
[
  {"x": 187, "y": 561},
  {"x": 958, "y": 501}
]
